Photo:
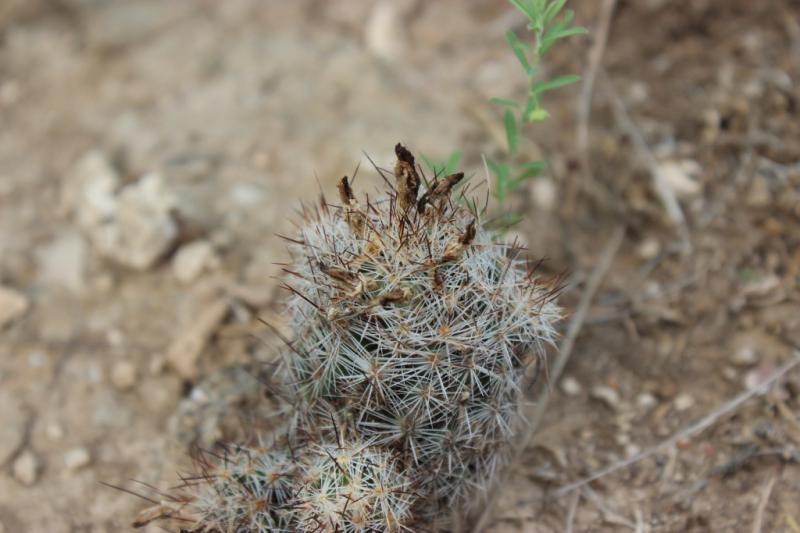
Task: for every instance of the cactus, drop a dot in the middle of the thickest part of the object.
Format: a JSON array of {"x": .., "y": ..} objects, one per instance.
[
  {"x": 413, "y": 325},
  {"x": 325, "y": 488},
  {"x": 412, "y": 330}
]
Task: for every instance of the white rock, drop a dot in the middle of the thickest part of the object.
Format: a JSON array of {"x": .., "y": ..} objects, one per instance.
[
  {"x": 385, "y": 31},
  {"x": 648, "y": 249},
  {"x": 544, "y": 193},
  {"x": 76, "y": 459},
  {"x": 185, "y": 348},
  {"x": 684, "y": 402},
  {"x": 745, "y": 355},
  {"x": 143, "y": 229},
  {"x": 95, "y": 183},
  {"x": 571, "y": 386},
  {"x": 13, "y": 304},
  {"x": 26, "y": 468},
  {"x": 681, "y": 177},
  {"x": 123, "y": 375},
  {"x": 54, "y": 431},
  {"x": 133, "y": 225},
  {"x": 646, "y": 401},
  {"x": 62, "y": 261},
  {"x": 607, "y": 395},
  {"x": 192, "y": 259}
]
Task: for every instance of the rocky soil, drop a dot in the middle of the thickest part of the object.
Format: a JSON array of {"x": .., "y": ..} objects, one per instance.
[{"x": 151, "y": 151}]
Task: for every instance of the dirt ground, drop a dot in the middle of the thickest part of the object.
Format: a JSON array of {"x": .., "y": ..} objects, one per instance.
[{"x": 129, "y": 331}]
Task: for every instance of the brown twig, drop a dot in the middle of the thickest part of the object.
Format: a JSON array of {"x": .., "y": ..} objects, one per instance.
[
  {"x": 564, "y": 352},
  {"x": 690, "y": 431}
]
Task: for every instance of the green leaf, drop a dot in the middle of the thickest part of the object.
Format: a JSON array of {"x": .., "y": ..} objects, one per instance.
[
  {"x": 501, "y": 172},
  {"x": 541, "y": 87},
  {"x": 523, "y": 8},
  {"x": 512, "y": 134},
  {"x": 529, "y": 170},
  {"x": 504, "y": 102},
  {"x": 519, "y": 48},
  {"x": 552, "y": 10}
]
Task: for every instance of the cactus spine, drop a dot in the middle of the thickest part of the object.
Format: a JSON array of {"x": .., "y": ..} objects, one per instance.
[{"x": 412, "y": 329}]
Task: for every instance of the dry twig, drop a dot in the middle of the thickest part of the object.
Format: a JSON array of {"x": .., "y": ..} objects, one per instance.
[
  {"x": 690, "y": 431},
  {"x": 758, "y": 521}
]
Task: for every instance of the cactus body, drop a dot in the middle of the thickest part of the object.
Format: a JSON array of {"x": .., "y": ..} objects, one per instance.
[
  {"x": 412, "y": 329},
  {"x": 413, "y": 325}
]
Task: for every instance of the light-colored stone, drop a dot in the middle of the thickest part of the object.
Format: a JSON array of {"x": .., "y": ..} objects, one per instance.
[
  {"x": 143, "y": 229},
  {"x": 681, "y": 177},
  {"x": 54, "y": 431},
  {"x": 606, "y": 395},
  {"x": 385, "y": 33},
  {"x": 62, "y": 262},
  {"x": 646, "y": 401},
  {"x": 684, "y": 402},
  {"x": 185, "y": 349},
  {"x": 77, "y": 458},
  {"x": 571, "y": 386},
  {"x": 132, "y": 225},
  {"x": 648, "y": 249},
  {"x": 544, "y": 193},
  {"x": 13, "y": 304},
  {"x": 26, "y": 468},
  {"x": 124, "y": 375},
  {"x": 92, "y": 191},
  {"x": 192, "y": 259}
]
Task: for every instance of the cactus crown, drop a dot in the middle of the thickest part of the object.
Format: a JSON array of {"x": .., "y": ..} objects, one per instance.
[{"x": 412, "y": 328}]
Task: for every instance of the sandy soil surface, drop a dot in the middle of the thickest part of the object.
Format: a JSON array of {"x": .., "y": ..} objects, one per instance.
[{"x": 150, "y": 151}]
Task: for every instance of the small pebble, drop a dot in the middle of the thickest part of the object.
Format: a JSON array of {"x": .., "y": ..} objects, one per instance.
[
  {"x": 26, "y": 468},
  {"x": 746, "y": 355},
  {"x": 646, "y": 401},
  {"x": 54, "y": 431},
  {"x": 632, "y": 449},
  {"x": 123, "y": 375},
  {"x": 649, "y": 249},
  {"x": 606, "y": 395},
  {"x": 753, "y": 379},
  {"x": 12, "y": 304},
  {"x": 76, "y": 459},
  {"x": 192, "y": 259},
  {"x": 683, "y": 402},
  {"x": 571, "y": 386}
]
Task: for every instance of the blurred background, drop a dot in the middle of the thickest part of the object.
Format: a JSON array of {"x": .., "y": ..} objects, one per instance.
[{"x": 150, "y": 152}]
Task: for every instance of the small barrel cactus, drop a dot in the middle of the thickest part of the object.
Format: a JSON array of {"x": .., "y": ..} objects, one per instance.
[
  {"x": 414, "y": 326},
  {"x": 412, "y": 330}
]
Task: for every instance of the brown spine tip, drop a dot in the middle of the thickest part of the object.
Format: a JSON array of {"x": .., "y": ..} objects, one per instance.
[
  {"x": 444, "y": 187},
  {"x": 354, "y": 217},
  {"x": 408, "y": 181},
  {"x": 469, "y": 234},
  {"x": 345, "y": 192}
]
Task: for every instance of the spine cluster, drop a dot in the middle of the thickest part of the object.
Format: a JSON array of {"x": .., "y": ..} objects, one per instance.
[{"x": 412, "y": 329}]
